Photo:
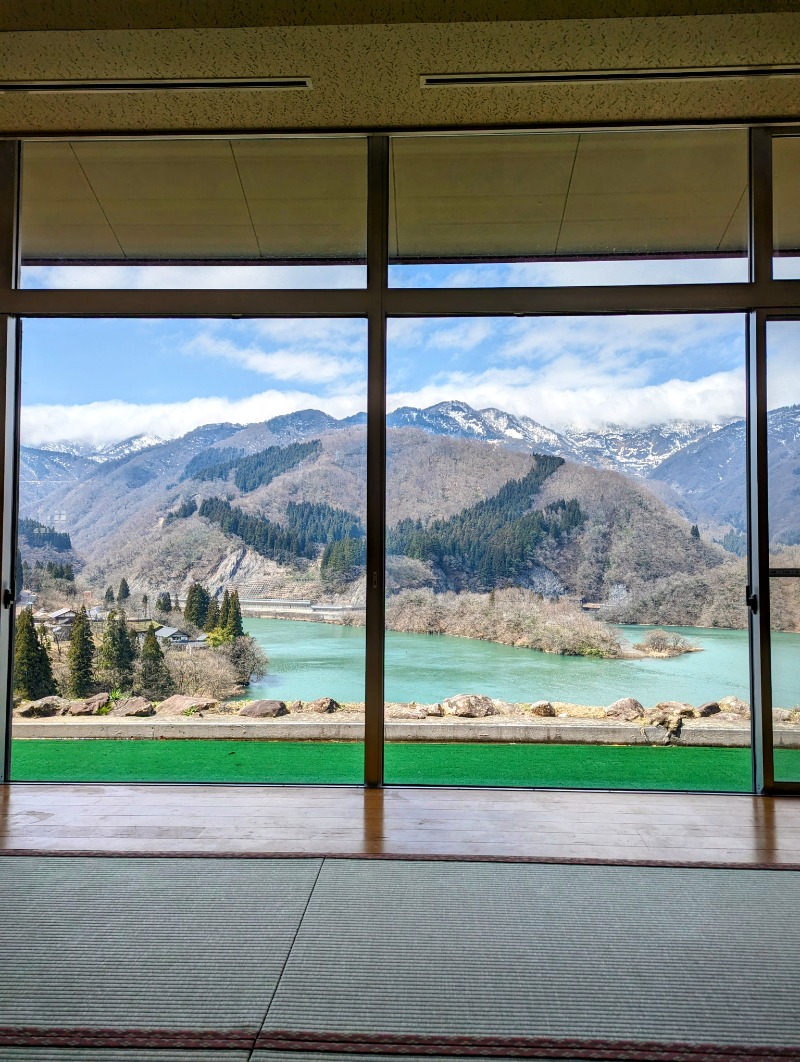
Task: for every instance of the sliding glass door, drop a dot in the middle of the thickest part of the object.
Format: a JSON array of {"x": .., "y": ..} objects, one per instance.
[{"x": 463, "y": 424}]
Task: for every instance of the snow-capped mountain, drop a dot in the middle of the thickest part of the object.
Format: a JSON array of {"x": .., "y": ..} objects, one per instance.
[
  {"x": 709, "y": 474},
  {"x": 638, "y": 450},
  {"x": 461, "y": 421},
  {"x": 100, "y": 454}
]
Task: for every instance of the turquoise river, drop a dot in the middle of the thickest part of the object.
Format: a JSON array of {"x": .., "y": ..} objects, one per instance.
[{"x": 309, "y": 660}]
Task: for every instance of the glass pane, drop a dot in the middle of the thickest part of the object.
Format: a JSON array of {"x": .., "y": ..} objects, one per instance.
[
  {"x": 179, "y": 473},
  {"x": 273, "y": 213},
  {"x": 786, "y": 207},
  {"x": 783, "y": 446},
  {"x": 566, "y": 553},
  {"x": 569, "y": 208}
]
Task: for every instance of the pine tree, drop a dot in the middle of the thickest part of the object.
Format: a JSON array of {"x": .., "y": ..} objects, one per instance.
[
  {"x": 109, "y": 597},
  {"x": 124, "y": 591},
  {"x": 224, "y": 610},
  {"x": 33, "y": 675},
  {"x": 695, "y": 532},
  {"x": 145, "y": 603},
  {"x": 80, "y": 657},
  {"x": 234, "y": 627},
  {"x": 154, "y": 679},
  {"x": 164, "y": 602},
  {"x": 118, "y": 651},
  {"x": 212, "y": 617},
  {"x": 196, "y": 608}
]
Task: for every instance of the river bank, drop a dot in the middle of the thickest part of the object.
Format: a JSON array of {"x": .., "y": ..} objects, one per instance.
[{"x": 318, "y": 659}]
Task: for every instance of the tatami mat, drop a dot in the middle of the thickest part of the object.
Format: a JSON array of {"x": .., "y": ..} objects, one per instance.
[
  {"x": 646, "y": 962},
  {"x": 129, "y": 943},
  {"x": 616, "y": 953}
]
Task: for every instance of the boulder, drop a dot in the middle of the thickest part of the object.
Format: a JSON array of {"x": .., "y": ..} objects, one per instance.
[
  {"x": 322, "y": 704},
  {"x": 432, "y": 709},
  {"x": 782, "y": 715},
  {"x": 45, "y": 706},
  {"x": 94, "y": 704},
  {"x": 469, "y": 706},
  {"x": 626, "y": 708},
  {"x": 507, "y": 708},
  {"x": 181, "y": 703},
  {"x": 264, "y": 709},
  {"x": 543, "y": 708},
  {"x": 405, "y": 711},
  {"x": 709, "y": 708},
  {"x": 681, "y": 709},
  {"x": 91, "y": 706},
  {"x": 735, "y": 705},
  {"x": 295, "y": 706},
  {"x": 133, "y": 706}
]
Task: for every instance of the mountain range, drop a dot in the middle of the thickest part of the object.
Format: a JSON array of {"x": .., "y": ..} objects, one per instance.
[
  {"x": 697, "y": 468},
  {"x": 626, "y": 449}
]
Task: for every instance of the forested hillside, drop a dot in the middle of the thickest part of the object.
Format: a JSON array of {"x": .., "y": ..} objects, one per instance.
[{"x": 264, "y": 508}]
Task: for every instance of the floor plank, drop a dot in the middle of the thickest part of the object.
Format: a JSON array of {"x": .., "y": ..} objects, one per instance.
[{"x": 425, "y": 822}]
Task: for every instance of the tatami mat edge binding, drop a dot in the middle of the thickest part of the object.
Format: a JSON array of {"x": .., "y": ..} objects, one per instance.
[
  {"x": 176, "y": 1045},
  {"x": 398, "y": 857}
]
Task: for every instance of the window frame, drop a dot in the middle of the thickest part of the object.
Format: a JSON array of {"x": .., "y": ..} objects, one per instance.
[{"x": 760, "y": 298}]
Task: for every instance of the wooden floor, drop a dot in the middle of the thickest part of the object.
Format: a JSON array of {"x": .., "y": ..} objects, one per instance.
[{"x": 397, "y": 822}]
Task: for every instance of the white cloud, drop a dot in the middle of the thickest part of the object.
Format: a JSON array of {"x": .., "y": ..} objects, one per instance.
[
  {"x": 570, "y": 273},
  {"x": 282, "y": 364},
  {"x": 98, "y": 423},
  {"x": 266, "y": 277},
  {"x": 587, "y": 406}
]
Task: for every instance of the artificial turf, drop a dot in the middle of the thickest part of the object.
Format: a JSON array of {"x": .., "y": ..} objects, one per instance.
[{"x": 568, "y": 766}]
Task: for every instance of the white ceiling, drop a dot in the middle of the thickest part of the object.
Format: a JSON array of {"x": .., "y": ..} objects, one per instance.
[{"x": 477, "y": 196}]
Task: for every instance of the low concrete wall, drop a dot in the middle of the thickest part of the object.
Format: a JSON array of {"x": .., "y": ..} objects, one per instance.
[{"x": 696, "y": 733}]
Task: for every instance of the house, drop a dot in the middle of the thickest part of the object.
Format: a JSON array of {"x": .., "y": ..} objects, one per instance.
[
  {"x": 172, "y": 636},
  {"x": 63, "y": 617}
]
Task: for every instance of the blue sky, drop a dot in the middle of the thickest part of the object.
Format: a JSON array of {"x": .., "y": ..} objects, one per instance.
[{"x": 101, "y": 381}]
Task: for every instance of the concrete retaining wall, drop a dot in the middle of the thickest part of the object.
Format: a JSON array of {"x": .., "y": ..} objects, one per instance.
[{"x": 557, "y": 732}]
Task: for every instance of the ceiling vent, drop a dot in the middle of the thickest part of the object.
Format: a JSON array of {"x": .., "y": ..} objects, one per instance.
[
  {"x": 544, "y": 77},
  {"x": 257, "y": 84}
]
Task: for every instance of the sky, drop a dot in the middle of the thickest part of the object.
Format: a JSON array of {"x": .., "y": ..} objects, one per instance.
[{"x": 100, "y": 381}]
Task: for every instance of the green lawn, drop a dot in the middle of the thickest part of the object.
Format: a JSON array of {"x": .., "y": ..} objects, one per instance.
[{"x": 569, "y": 766}]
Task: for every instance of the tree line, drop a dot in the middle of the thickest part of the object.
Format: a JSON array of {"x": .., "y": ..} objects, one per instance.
[
  {"x": 265, "y": 537},
  {"x": 491, "y": 543},
  {"x": 221, "y": 620},
  {"x": 259, "y": 469},
  {"x": 318, "y": 522},
  {"x": 33, "y": 533},
  {"x": 209, "y": 458},
  {"x": 118, "y": 659}
]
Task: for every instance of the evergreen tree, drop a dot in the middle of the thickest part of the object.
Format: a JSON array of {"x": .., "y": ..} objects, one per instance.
[
  {"x": 18, "y": 576},
  {"x": 196, "y": 608},
  {"x": 33, "y": 675},
  {"x": 124, "y": 591},
  {"x": 154, "y": 679},
  {"x": 80, "y": 657},
  {"x": 224, "y": 610},
  {"x": 145, "y": 603},
  {"x": 695, "y": 532},
  {"x": 118, "y": 651},
  {"x": 212, "y": 617},
  {"x": 109, "y": 597},
  {"x": 164, "y": 602},
  {"x": 233, "y": 625}
]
